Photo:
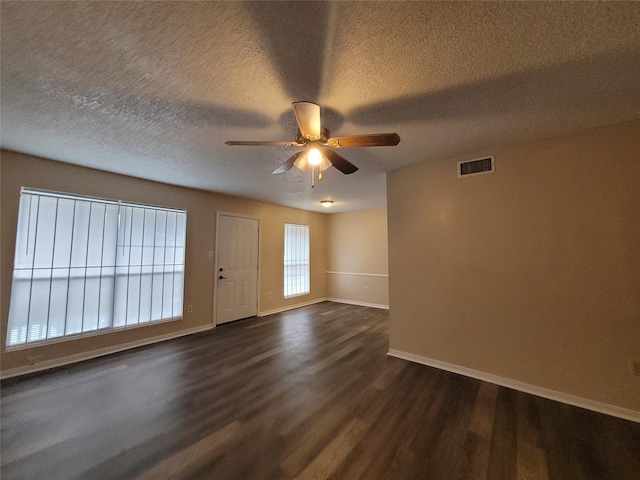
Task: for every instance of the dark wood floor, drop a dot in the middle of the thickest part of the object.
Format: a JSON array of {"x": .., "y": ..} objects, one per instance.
[{"x": 307, "y": 394}]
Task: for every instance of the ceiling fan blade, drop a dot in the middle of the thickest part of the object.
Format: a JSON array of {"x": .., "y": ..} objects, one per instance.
[
  {"x": 373, "y": 140},
  {"x": 263, "y": 144},
  {"x": 287, "y": 165},
  {"x": 341, "y": 163},
  {"x": 308, "y": 117}
]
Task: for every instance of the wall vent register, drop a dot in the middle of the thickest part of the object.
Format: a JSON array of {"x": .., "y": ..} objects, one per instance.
[{"x": 476, "y": 167}]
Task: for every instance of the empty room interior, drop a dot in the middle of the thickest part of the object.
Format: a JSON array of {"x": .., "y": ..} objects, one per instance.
[{"x": 276, "y": 240}]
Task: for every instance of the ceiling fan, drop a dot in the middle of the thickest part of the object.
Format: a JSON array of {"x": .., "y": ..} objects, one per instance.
[{"x": 315, "y": 138}]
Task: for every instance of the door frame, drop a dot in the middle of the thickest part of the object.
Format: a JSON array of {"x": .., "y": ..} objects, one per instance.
[{"x": 216, "y": 266}]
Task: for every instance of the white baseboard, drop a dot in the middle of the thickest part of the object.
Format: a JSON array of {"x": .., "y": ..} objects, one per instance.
[
  {"x": 79, "y": 357},
  {"x": 576, "y": 401},
  {"x": 361, "y": 304},
  {"x": 291, "y": 307}
]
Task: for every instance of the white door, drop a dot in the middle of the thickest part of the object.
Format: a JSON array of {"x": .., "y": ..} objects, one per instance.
[{"x": 237, "y": 275}]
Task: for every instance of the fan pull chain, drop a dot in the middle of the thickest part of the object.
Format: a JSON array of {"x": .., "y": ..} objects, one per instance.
[{"x": 313, "y": 175}]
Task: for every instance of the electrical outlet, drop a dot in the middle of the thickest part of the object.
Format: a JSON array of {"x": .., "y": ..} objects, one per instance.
[
  {"x": 190, "y": 308},
  {"x": 35, "y": 359},
  {"x": 634, "y": 367}
]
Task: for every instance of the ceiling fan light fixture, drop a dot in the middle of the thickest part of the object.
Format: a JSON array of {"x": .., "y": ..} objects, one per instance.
[
  {"x": 326, "y": 203},
  {"x": 314, "y": 156},
  {"x": 324, "y": 164}
]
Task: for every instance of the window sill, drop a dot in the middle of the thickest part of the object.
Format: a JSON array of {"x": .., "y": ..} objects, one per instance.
[
  {"x": 297, "y": 295},
  {"x": 94, "y": 333}
]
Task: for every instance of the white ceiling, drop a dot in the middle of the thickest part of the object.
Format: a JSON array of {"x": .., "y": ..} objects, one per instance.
[{"x": 154, "y": 89}]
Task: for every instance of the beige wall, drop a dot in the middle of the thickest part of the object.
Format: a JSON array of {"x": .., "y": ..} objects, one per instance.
[
  {"x": 357, "y": 257},
  {"x": 531, "y": 273},
  {"x": 21, "y": 170}
]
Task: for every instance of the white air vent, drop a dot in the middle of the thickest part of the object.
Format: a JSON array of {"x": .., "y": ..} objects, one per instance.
[{"x": 478, "y": 166}]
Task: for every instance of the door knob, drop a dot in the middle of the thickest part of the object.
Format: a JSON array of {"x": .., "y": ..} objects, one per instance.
[{"x": 222, "y": 278}]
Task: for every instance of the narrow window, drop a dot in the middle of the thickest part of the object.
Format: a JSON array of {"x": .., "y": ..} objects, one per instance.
[
  {"x": 85, "y": 264},
  {"x": 296, "y": 260}
]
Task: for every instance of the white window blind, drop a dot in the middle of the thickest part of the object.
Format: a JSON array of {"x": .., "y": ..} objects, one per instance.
[
  {"x": 87, "y": 264},
  {"x": 296, "y": 260}
]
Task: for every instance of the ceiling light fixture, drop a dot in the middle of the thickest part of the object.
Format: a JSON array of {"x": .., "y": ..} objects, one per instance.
[
  {"x": 326, "y": 203},
  {"x": 314, "y": 156}
]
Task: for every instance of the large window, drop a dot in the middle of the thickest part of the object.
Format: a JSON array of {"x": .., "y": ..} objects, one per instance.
[
  {"x": 296, "y": 260},
  {"x": 86, "y": 264}
]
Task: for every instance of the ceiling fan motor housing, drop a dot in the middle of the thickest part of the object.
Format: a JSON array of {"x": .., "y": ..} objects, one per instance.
[{"x": 325, "y": 134}]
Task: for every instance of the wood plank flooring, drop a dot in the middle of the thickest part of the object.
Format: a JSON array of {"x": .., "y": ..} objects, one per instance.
[{"x": 307, "y": 394}]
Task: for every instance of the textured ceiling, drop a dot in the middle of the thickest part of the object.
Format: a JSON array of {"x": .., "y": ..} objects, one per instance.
[{"x": 154, "y": 89}]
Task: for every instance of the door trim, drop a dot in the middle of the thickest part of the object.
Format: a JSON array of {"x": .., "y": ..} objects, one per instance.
[{"x": 216, "y": 266}]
